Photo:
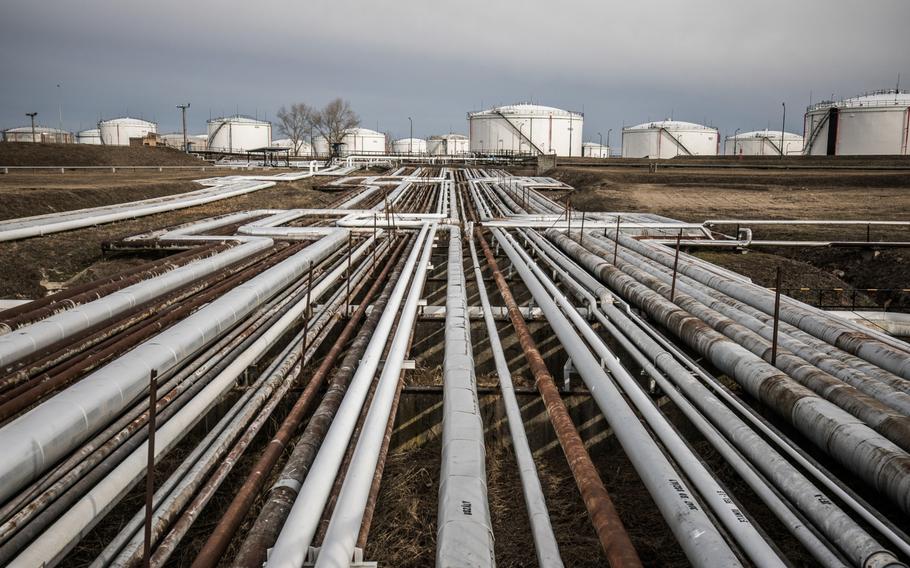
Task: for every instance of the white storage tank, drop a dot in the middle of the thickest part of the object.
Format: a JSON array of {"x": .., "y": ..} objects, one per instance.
[
  {"x": 118, "y": 131},
  {"x": 41, "y": 134},
  {"x": 355, "y": 141},
  {"x": 595, "y": 150},
  {"x": 526, "y": 129},
  {"x": 302, "y": 148},
  {"x": 448, "y": 145},
  {"x": 668, "y": 139},
  {"x": 875, "y": 123},
  {"x": 409, "y": 146},
  {"x": 238, "y": 134},
  {"x": 90, "y": 136},
  {"x": 763, "y": 143}
]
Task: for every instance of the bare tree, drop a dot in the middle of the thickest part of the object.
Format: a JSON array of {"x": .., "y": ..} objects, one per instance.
[
  {"x": 333, "y": 120},
  {"x": 296, "y": 123}
]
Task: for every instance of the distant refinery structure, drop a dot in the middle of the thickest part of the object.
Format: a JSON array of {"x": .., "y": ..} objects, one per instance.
[
  {"x": 118, "y": 131},
  {"x": 595, "y": 150},
  {"x": 669, "y": 139},
  {"x": 870, "y": 124},
  {"x": 526, "y": 129},
  {"x": 448, "y": 145},
  {"x": 90, "y": 136},
  {"x": 409, "y": 146},
  {"x": 763, "y": 143},
  {"x": 40, "y": 134},
  {"x": 237, "y": 134}
]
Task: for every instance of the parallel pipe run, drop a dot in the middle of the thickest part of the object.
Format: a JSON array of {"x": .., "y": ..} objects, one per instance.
[
  {"x": 218, "y": 541},
  {"x": 464, "y": 532},
  {"x": 296, "y": 536},
  {"x": 544, "y": 539},
  {"x": 609, "y": 527}
]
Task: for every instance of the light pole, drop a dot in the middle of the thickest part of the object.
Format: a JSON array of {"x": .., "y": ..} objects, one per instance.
[
  {"x": 60, "y": 109},
  {"x": 601, "y": 151},
  {"x": 186, "y": 147},
  {"x": 608, "y": 137},
  {"x": 411, "y": 138},
  {"x": 735, "y": 132},
  {"x": 32, "y": 116},
  {"x": 783, "y": 126}
]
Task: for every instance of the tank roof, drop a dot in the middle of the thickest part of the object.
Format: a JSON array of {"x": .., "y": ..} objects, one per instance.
[
  {"x": 127, "y": 120},
  {"x": 402, "y": 140},
  {"x": 448, "y": 137},
  {"x": 241, "y": 118},
  {"x": 765, "y": 134},
  {"x": 881, "y": 98},
  {"x": 41, "y": 129},
  {"x": 669, "y": 125},
  {"x": 363, "y": 132},
  {"x": 525, "y": 109}
]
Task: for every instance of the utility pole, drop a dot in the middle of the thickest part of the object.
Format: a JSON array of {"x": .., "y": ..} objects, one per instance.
[
  {"x": 608, "y": 137},
  {"x": 601, "y": 136},
  {"x": 783, "y": 126},
  {"x": 60, "y": 110},
  {"x": 735, "y": 134},
  {"x": 411, "y": 137},
  {"x": 186, "y": 147},
  {"x": 32, "y": 116}
]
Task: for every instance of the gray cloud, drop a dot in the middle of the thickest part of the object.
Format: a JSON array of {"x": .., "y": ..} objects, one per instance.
[{"x": 730, "y": 63}]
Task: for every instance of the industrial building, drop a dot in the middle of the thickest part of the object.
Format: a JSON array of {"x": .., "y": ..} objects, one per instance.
[
  {"x": 876, "y": 123},
  {"x": 118, "y": 131},
  {"x": 89, "y": 136},
  {"x": 409, "y": 146},
  {"x": 237, "y": 134},
  {"x": 595, "y": 150},
  {"x": 448, "y": 145},
  {"x": 763, "y": 143},
  {"x": 669, "y": 139},
  {"x": 526, "y": 129},
  {"x": 42, "y": 134},
  {"x": 354, "y": 141}
]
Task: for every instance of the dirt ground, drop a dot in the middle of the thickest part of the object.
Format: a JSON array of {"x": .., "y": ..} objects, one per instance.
[
  {"x": 696, "y": 195},
  {"x": 32, "y": 267},
  {"x": 28, "y": 154}
]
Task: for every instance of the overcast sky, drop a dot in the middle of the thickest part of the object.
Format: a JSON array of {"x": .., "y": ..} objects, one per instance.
[{"x": 728, "y": 63}]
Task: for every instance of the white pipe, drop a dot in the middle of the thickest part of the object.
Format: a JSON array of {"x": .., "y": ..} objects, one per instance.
[
  {"x": 37, "y": 439},
  {"x": 303, "y": 519},
  {"x": 29, "y": 339}
]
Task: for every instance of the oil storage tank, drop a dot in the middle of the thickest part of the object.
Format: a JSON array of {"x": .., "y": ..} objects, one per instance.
[
  {"x": 595, "y": 150},
  {"x": 669, "y": 139},
  {"x": 763, "y": 143},
  {"x": 90, "y": 136},
  {"x": 448, "y": 145},
  {"x": 354, "y": 141},
  {"x": 41, "y": 134},
  {"x": 409, "y": 146},
  {"x": 237, "y": 134},
  {"x": 526, "y": 129},
  {"x": 870, "y": 124},
  {"x": 118, "y": 131}
]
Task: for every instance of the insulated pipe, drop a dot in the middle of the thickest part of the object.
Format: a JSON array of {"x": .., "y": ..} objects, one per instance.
[
  {"x": 217, "y": 542},
  {"x": 29, "y": 339},
  {"x": 338, "y": 547},
  {"x": 808, "y": 319},
  {"x": 880, "y": 462},
  {"x": 607, "y": 524},
  {"x": 43, "y": 435},
  {"x": 336, "y": 440},
  {"x": 544, "y": 539},
  {"x": 727, "y": 511},
  {"x": 464, "y": 531},
  {"x": 54, "y": 543},
  {"x": 696, "y": 534}
]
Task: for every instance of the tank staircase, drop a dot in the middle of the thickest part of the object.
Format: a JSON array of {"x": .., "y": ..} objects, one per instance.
[
  {"x": 807, "y": 149},
  {"x": 520, "y": 133},
  {"x": 677, "y": 141}
]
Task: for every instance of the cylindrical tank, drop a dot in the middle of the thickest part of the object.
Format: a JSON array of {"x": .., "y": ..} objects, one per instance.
[
  {"x": 448, "y": 145},
  {"x": 354, "y": 141},
  {"x": 526, "y": 129},
  {"x": 118, "y": 131},
  {"x": 595, "y": 150},
  {"x": 237, "y": 134},
  {"x": 302, "y": 148},
  {"x": 409, "y": 146},
  {"x": 875, "y": 123},
  {"x": 90, "y": 136},
  {"x": 763, "y": 143},
  {"x": 41, "y": 134},
  {"x": 668, "y": 139}
]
